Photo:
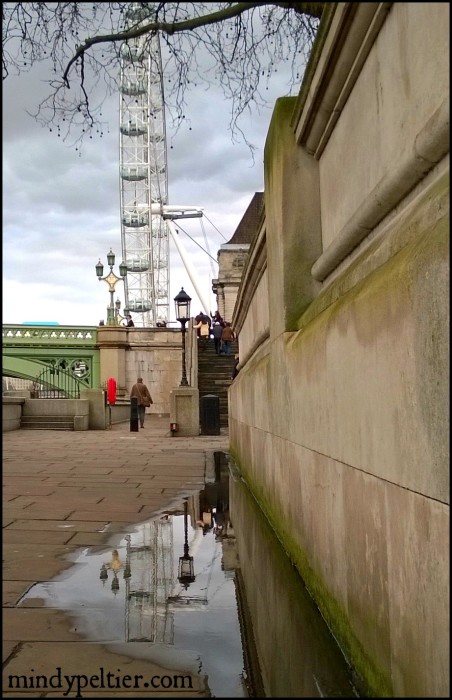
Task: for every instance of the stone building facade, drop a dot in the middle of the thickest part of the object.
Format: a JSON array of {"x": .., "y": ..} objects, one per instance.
[
  {"x": 232, "y": 257},
  {"x": 339, "y": 416}
]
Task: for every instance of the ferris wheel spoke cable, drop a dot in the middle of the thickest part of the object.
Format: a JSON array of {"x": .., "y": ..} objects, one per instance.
[
  {"x": 198, "y": 244},
  {"x": 207, "y": 246},
  {"x": 216, "y": 229}
]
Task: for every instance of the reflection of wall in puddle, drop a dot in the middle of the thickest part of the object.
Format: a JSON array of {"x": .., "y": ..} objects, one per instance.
[{"x": 287, "y": 640}]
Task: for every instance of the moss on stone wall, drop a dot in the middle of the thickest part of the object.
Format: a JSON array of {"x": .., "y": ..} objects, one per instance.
[
  {"x": 430, "y": 215},
  {"x": 374, "y": 679}
]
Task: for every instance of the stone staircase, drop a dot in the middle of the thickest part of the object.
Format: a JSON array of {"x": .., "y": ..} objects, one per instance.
[
  {"x": 214, "y": 375},
  {"x": 47, "y": 422}
]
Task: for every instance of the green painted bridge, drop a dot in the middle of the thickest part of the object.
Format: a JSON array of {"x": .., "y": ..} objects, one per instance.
[{"x": 28, "y": 350}]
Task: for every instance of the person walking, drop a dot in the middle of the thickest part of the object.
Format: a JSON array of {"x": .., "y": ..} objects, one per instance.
[
  {"x": 217, "y": 330},
  {"x": 198, "y": 318},
  {"x": 141, "y": 392},
  {"x": 203, "y": 331},
  {"x": 227, "y": 336},
  {"x": 217, "y": 317},
  {"x": 129, "y": 321}
]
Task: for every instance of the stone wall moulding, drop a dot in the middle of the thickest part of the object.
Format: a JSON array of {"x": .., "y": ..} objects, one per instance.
[{"x": 430, "y": 147}]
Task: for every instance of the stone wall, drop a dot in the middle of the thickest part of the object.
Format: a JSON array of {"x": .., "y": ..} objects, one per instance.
[
  {"x": 339, "y": 415},
  {"x": 153, "y": 354},
  {"x": 231, "y": 261},
  {"x": 11, "y": 412}
]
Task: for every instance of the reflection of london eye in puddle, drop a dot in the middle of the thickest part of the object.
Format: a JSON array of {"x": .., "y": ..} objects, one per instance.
[
  {"x": 146, "y": 220},
  {"x": 148, "y": 576},
  {"x": 149, "y": 565},
  {"x": 152, "y": 592}
]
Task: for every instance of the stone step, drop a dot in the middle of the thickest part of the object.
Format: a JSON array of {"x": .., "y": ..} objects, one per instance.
[
  {"x": 46, "y": 426},
  {"x": 214, "y": 376},
  {"x": 213, "y": 380},
  {"x": 47, "y": 423}
]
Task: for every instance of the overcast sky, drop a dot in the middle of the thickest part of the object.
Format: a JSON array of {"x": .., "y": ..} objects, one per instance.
[{"x": 61, "y": 210}]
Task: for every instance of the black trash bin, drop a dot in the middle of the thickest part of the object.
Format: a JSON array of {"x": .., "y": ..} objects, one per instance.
[{"x": 210, "y": 414}]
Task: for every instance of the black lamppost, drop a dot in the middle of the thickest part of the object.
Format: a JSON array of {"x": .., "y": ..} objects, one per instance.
[
  {"x": 111, "y": 279},
  {"x": 182, "y": 303},
  {"x": 186, "y": 572}
]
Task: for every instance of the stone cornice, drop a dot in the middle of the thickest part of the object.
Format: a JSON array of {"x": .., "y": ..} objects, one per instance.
[
  {"x": 345, "y": 41},
  {"x": 254, "y": 269}
]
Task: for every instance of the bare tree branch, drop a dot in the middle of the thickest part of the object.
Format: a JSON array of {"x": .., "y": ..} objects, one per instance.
[{"x": 237, "y": 46}]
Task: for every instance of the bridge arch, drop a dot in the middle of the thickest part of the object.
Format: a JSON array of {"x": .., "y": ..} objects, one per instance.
[
  {"x": 29, "y": 365},
  {"x": 21, "y": 367}
]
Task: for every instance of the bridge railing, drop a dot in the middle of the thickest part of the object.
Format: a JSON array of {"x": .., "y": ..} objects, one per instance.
[
  {"x": 55, "y": 383},
  {"x": 49, "y": 335}
]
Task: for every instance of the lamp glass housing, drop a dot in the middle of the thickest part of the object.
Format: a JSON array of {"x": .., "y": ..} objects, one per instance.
[
  {"x": 186, "y": 572},
  {"x": 111, "y": 258},
  {"x": 99, "y": 269},
  {"x": 182, "y": 305},
  {"x": 123, "y": 269}
]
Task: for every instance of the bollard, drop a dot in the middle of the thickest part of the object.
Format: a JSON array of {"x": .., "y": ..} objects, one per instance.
[
  {"x": 210, "y": 414},
  {"x": 134, "y": 415}
]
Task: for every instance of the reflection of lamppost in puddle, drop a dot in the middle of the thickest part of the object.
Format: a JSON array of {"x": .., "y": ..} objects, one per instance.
[
  {"x": 115, "y": 566},
  {"x": 186, "y": 573}
]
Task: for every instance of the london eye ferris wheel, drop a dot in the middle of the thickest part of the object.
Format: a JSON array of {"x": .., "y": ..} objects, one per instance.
[
  {"x": 143, "y": 177},
  {"x": 146, "y": 217}
]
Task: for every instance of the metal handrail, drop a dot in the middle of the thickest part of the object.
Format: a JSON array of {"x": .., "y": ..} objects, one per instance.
[{"x": 55, "y": 383}]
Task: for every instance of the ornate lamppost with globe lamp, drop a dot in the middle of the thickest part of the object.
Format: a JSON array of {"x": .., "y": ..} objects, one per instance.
[{"x": 111, "y": 279}]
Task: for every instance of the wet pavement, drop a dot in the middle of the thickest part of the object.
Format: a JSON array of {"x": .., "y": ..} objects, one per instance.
[
  {"x": 67, "y": 491},
  {"x": 95, "y": 528}
]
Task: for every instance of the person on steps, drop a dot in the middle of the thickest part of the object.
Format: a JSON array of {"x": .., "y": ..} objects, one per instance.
[
  {"x": 227, "y": 336},
  {"x": 203, "y": 330},
  {"x": 217, "y": 330}
]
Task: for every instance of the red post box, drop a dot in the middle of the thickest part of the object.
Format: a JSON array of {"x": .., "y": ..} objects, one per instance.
[{"x": 111, "y": 391}]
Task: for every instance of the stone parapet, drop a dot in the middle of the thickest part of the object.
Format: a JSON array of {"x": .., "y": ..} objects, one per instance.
[{"x": 11, "y": 412}]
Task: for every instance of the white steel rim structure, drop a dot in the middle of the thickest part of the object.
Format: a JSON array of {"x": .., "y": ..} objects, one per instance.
[{"x": 143, "y": 179}]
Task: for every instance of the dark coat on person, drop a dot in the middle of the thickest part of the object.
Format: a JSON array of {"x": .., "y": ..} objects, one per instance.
[
  {"x": 141, "y": 392},
  {"x": 228, "y": 333},
  {"x": 217, "y": 330}
]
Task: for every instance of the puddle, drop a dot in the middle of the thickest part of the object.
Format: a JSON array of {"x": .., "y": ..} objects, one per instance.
[
  {"x": 247, "y": 625},
  {"x": 130, "y": 592}
]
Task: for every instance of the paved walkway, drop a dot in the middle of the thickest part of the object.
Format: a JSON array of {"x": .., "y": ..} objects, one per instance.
[{"x": 63, "y": 492}]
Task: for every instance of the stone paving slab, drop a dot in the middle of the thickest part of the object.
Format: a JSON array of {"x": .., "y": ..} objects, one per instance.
[
  {"x": 26, "y": 488},
  {"x": 12, "y": 591},
  {"x": 28, "y": 624},
  {"x": 35, "y": 536},
  {"x": 40, "y": 561},
  {"x": 64, "y": 492},
  {"x": 57, "y": 525}
]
